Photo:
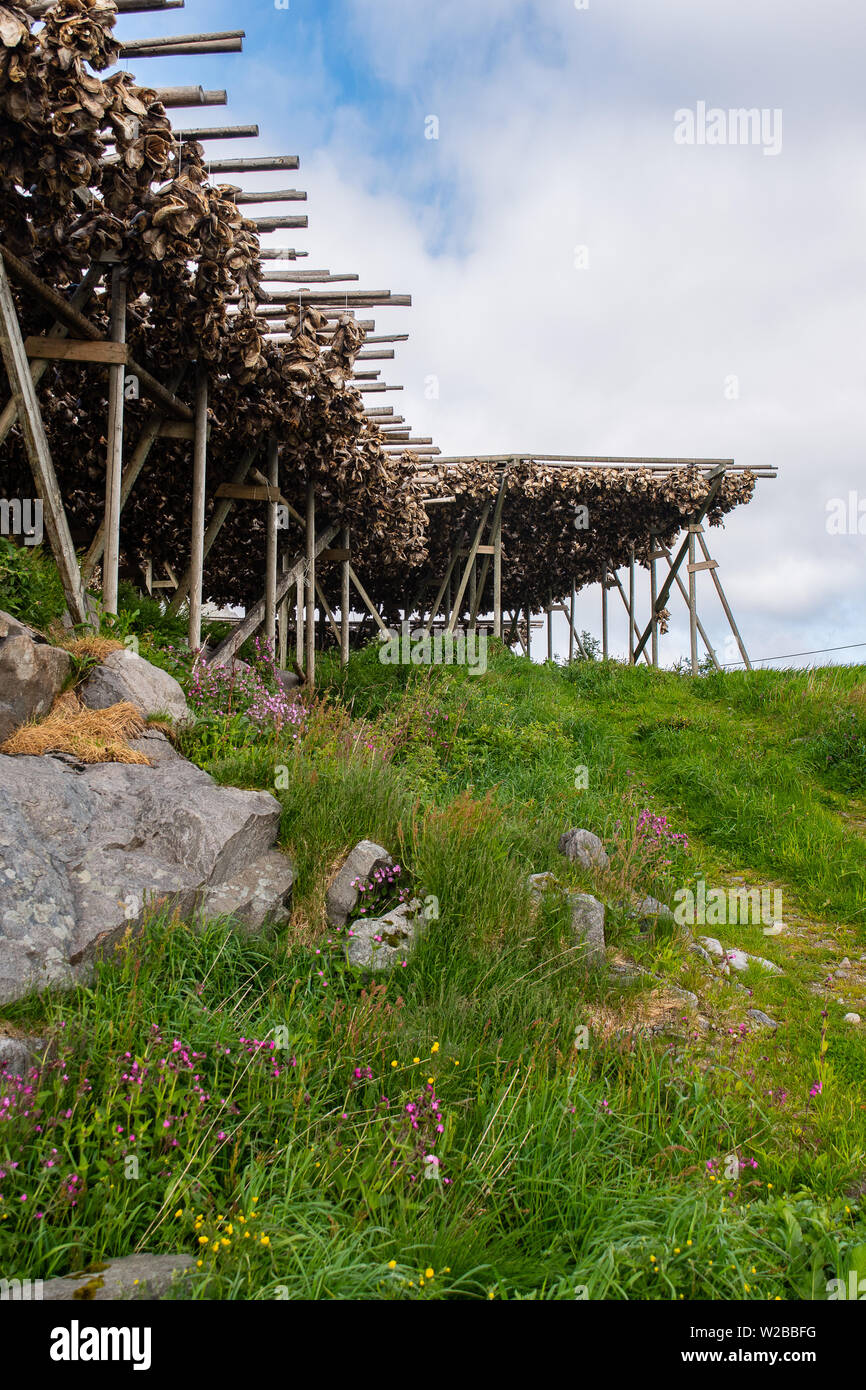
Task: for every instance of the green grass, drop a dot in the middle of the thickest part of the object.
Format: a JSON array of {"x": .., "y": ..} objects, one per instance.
[{"x": 567, "y": 1167}]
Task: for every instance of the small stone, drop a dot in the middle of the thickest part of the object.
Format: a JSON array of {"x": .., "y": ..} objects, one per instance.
[
  {"x": 851, "y": 1018},
  {"x": 539, "y": 884},
  {"x": 758, "y": 1016},
  {"x": 383, "y": 942},
  {"x": 775, "y": 930},
  {"x": 587, "y": 925},
  {"x": 584, "y": 848},
  {"x": 697, "y": 950},
  {"x": 714, "y": 947}
]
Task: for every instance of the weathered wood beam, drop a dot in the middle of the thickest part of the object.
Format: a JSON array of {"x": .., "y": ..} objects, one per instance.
[
  {"x": 38, "y": 451},
  {"x": 270, "y": 164},
  {"x": 174, "y": 97},
  {"x": 271, "y": 542},
  {"x": 717, "y": 478},
  {"x": 219, "y": 132},
  {"x": 70, "y": 350},
  {"x": 345, "y": 605},
  {"x": 199, "y": 478},
  {"x": 114, "y": 460}
]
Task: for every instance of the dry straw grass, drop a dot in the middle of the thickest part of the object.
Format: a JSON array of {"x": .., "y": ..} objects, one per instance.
[
  {"x": 90, "y": 735},
  {"x": 91, "y": 647}
]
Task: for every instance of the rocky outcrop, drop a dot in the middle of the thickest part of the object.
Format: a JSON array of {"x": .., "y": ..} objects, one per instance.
[
  {"x": 126, "y": 677},
  {"x": 86, "y": 851},
  {"x": 139, "y": 1277},
  {"x": 32, "y": 674}
]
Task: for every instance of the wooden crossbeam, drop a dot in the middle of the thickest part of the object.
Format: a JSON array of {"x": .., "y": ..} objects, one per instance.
[
  {"x": 69, "y": 350},
  {"x": 222, "y": 132},
  {"x": 267, "y": 165},
  {"x": 249, "y": 494},
  {"x": 174, "y": 97}
]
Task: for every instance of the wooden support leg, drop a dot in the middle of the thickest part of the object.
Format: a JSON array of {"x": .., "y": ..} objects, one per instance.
[
  {"x": 604, "y": 645},
  {"x": 571, "y": 633},
  {"x": 693, "y": 604},
  {"x": 199, "y": 474},
  {"x": 654, "y": 592},
  {"x": 728, "y": 614},
  {"x": 629, "y": 608},
  {"x": 631, "y": 599},
  {"x": 470, "y": 563},
  {"x": 445, "y": 587},
  {"x": 271, "y": 546},
  {"x": 497, "y": 580},
  {"x": 473, "y": 595},
  {"x": 284, "y": 620},
  {"x": 38, "y": 452},
  {"x": 311, "y": 586},
  {"x": 299, "y": 623},
  {"x": 550, "y": 627},
  {"x": 114, "y": 461},
  {"x": 345, "y": 603}
]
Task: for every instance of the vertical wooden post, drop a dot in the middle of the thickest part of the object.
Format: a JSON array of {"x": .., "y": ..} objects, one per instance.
[
  {"x": 604, "y": 648},
  {"x": 654, "y": 593},
  {"x": 199, "y": 475},
  {"x": 631, "y": 607},
  {"x": 114, "y": 460},
  {"x": 271, "y": 546},
  {"x": 38, "y": 452},
  {"x": 473, "y": 594},
  {"x": 345, "y": 602},
  {"x": 550, "y": 627},
  {"x": 284, "y": 619},
  {"x": 497, "y": 580},
  {"x": 311, "y": 586},
  {"x": 299, "y": 622},
  {"x": 693, "y": 610},
  {"x": 571, "y": 624}
]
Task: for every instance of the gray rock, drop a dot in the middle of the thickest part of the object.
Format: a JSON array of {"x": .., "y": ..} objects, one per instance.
[
  {"x": 32, "y": 674},
  {"x": 134, "y": 1277},
  {"x": 257, "y": 895},
  {"x": 758, "y": 1016},
  {"x": 361, "y": 863},
  {"x": 125, "y": 676},
  {"x": 85, "y": 851},
  {"x": 851, "y": 1018},
  {"x": 584, "y": 848},
  {"x": 383, "y": 942},
  {"x": 651, "y": 910},
  {"x": 539, "y": 884},
  {"x": 19, "y": 1054},
  {"x": 741, "y": 960},
  {"x": 698, "y": 950},
  {"x": 587, "y": 925},
  {"x": 714, "y": 947}
]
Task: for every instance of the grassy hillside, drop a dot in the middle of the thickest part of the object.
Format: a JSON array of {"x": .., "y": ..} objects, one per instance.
[{"x": 554, "y": 1148}]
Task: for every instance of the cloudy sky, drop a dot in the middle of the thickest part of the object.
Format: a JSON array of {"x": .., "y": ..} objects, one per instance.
[{"x": 584, "y": 282}]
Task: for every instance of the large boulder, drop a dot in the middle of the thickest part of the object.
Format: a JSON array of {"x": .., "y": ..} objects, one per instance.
[
  {"x": 85, "y": 851},
  {"x": 124, "y": 676},
  {"x": 584, "y": 848},
  {"x": 360, "y": 864},
  {"x": 32, "y": 674}
]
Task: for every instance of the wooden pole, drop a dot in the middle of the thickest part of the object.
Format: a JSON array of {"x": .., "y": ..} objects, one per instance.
[
  {"x": 571, "y": 624},
  {"x": 311, "y": 586},
  {"x": 550, "y": 626},
  {"x": 284, "y": 620},
  {"x": 604, "y": 645},
  {"x": 345, "y": 603},
  {"x": 728, "y": 614},
  {"x": 299, "y": 622},
  {"x": 218, "y": 518},
  {"x": 38, "y": 452},
  {"x": 693, "y": 610},
  {"x": 114, "y": 461},
  {"x": 654, "y": 593},
  {"x": 497, "y": 578},
  {"x": 199, "y": 473},
  {"x": 271, "y": 546},
  {"x": 473, "y": 595},
  {"x": 473, "y": 554},
  {"x": 631, "y": 598}
]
